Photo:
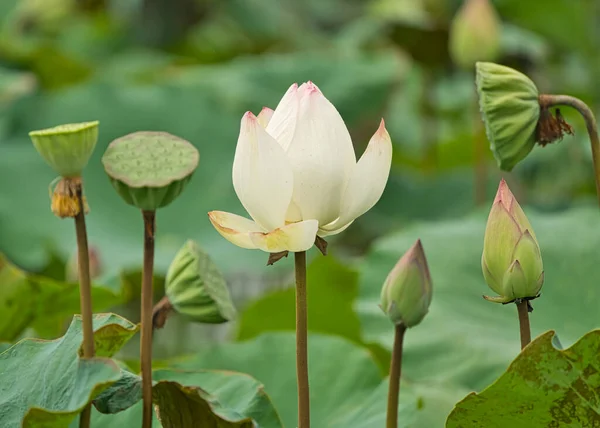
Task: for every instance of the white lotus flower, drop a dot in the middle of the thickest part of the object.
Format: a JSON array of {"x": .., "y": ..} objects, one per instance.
[{"x": 296, "y": 174}]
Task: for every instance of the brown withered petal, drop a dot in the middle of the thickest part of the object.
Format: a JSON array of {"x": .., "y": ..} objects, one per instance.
[
  {"x": 321, "y": 244},
  {"x": 551, "y": 128},
  {"x": 65, "y": 202},
  {"x": 275, "y": 257},
  {"x": 161, "y": 312}
]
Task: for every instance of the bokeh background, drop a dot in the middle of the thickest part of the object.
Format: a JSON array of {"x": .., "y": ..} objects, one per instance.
[{"x": 193, "y": 67}]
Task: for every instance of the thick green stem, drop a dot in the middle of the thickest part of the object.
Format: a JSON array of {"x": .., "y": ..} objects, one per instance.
[
  {"x": 395, "y": 372},
  {"x": 590, "y": 123},
  {"x": 85, "y": 293},
  {"x": 524, "y": 327},
  {"x": 302, "y": 341},
  {"x": 146, "y": 341}
]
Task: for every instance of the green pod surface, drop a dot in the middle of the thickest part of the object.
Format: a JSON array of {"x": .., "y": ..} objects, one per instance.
[
  {"x": 149, "y": 170},
  {"x": 196, "y": 288},
  {"x": 67, "y": 148},
  {"x": 510, "y": 109}
]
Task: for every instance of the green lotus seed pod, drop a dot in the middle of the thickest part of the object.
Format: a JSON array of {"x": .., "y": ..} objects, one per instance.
[
  {"x": 150, "y": 169},
  {"x": 510, "y": 109},
  {"x": 406, "y": 293},
  {"x": 67, "y": 148},
  {"x": 511, "y": 260},
  {"x": 475, "y": 34},
  {"x": 196, "y": 288}
]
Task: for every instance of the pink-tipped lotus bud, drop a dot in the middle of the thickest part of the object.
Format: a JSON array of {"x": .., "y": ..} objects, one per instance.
[{"x": 511, "y": 262}]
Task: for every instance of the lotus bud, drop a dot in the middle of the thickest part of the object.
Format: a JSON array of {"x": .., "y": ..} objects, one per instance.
[
  {"x": 407, "y": 291},
  {"x": 196, "y": 289},
  {"x": 509, "y": 105},
  {"x": 511, "y": 262},
  {"x": 475, "y": 34}
]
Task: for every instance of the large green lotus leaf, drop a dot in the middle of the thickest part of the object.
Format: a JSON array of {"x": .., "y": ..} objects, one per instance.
[
  {"x": 332, "y": 288},
  {"x": 31, "y": 300},
  {"x": 449, "y": 195},
  {"x": 350, "y": 394},
  {"x": 544, "y": 386},
  {"x": 218, "y": 95},
  {"x": 420, "y": 406},
  {"x": 465, "y": 339},
  {"x": 270, "y": 358},
  {"x": 190, "y": 398},
  {"x": 567, "y": 24},
  {"x": 45, "y": 383}
]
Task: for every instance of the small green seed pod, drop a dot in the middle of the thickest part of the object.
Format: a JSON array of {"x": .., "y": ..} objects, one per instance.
[
  {"x": 196, "y": 289},
  {"x": 67, "y": 148},
  {"x": 510, "y": 109},
  {"x": 150, "y": 169}
]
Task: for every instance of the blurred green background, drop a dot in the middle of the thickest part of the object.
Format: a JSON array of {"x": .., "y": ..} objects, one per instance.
[{"x": 193, "y": 67}]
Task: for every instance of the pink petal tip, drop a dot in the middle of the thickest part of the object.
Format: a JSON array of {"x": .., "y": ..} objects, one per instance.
[{"x": 312, "y": 88}]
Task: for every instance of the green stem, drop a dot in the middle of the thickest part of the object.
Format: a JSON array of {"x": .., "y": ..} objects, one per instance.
[
  {"x": 395, "y": 372},
  {"x": 302, "y": 341},
  {"x": 590, "y": 123},
  {"x": 479, "y": 151},
  {"x": 85, "y": 293},
  {"x": 524, "y": 327},
  {"x": 146, "y": 341}
]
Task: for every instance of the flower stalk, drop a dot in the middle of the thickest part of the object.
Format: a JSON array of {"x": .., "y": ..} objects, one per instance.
[
  {"x": 548, "y": 101},
  {"x": 149, "y": 170},
  {"x": 395, "y": 374},
  {"x": 480, "y": 164},
  {"x": 523, "y": 309},
  {"x": 85, "y": 293},
  {"x": 146, "y": 341},
  {"x": 405, "y": 299},
  {"x": 67, "y": 149},
  {"x": 302, "y": 341}
]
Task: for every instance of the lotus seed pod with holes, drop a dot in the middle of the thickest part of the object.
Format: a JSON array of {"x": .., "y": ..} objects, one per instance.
[
  {"x": 407, "y": 291},
  {"x": 510, "y": 109},
  {"x": 196, "y": 288},
  {"x": 150, "y": 169},
  {"x": 67, "y": 148},
  {"x": 475, "y": 34}
]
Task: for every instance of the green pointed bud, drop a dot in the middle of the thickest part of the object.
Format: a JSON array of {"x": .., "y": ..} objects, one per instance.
[
  {"x": 407, "y": 291},
  {"x": 67, "y": 148},
  {"x": 510, "y": 109},
  {"x": 475, "y": 34},
  {"x": 511, "y": 262},
  {"x": 149, "y": 170},
  {"x": 196, "y": 288}
]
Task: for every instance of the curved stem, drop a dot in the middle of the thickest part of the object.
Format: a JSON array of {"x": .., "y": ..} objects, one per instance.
[
  {"x": 146, "y": 341},
  {"x": 85, "y": 293},
  {"x": 395, "y": 372},
  {"x": 524, "y": 327},
  {"x": 302, "y": 341},
  {"x": 590, "y": 123}
]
